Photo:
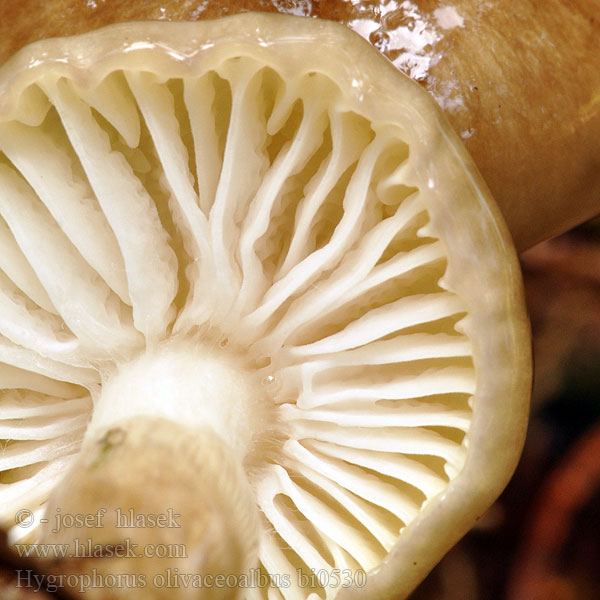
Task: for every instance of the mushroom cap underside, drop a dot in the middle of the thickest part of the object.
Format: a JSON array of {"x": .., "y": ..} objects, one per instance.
[{"x": 268, "y": 187}]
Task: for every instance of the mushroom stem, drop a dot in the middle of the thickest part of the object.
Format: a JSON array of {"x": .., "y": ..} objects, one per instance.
[
  {"x": 154, "y": 507},
  {"x": 161, "y": 476}
]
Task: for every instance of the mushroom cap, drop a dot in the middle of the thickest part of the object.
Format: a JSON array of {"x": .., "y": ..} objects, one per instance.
[
  {"x": 271, "y": 187},
  {"x": 520, "y": 87}
]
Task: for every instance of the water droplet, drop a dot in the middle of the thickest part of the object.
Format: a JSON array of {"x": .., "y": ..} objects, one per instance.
[
  {"x": 268, "y": 380},
  {"x": 398, "y": 18},
  {"x": 380, "y": 39},
  {"x": 300, "y": 8}
]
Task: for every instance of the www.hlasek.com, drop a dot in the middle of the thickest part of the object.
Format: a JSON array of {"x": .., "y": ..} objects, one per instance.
[
  {"x": 89, "y": 549},
  {"x": 173, "y": 579}
]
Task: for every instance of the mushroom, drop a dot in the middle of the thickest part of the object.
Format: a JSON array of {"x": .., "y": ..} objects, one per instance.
[{"x": 257, "y": 304}]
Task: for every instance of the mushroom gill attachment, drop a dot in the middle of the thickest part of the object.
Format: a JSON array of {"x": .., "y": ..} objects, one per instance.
[{"x": 251, "y": 239}]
